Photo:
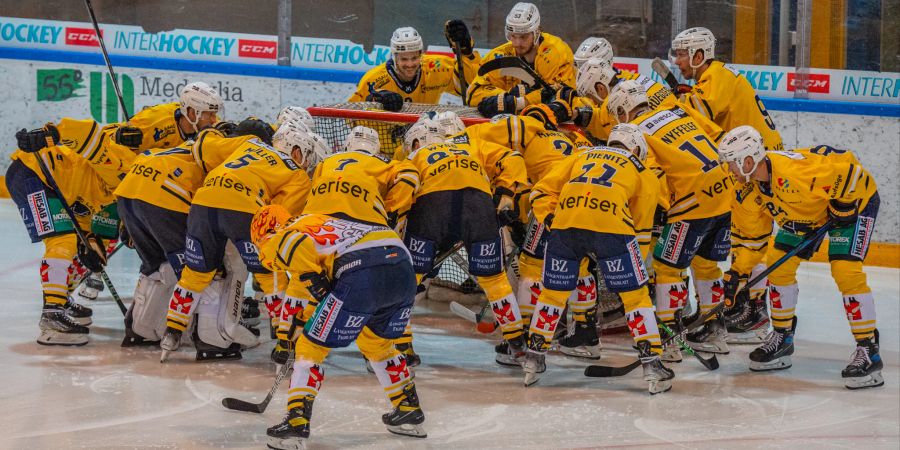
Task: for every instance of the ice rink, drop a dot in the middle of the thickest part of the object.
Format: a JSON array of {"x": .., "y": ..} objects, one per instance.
[{"x": 102, "y": 396}]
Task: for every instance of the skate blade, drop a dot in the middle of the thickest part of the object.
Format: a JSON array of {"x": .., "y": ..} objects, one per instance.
[
  {"x": 507, "y": 361},
  {"x": 83, "y": 321},
  {"x": 164, "y": 356},
  {"x": 585, "y": 352},
  {"x": 408, "y": 429},
  {"x": 873, "y": 380},
  {"x": 52, "y": 337},
  {"x": 660, "y": 386},
  {"x": 531, "y": 378},
  {"x": 709, "y": 348},
  {"x": 777, "y": 364},
  {"x": 756, "y": 336},
  {"x": 296, "y": 443}
]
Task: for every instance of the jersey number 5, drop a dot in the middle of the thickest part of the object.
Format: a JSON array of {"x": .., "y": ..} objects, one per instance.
[{"x": 241, "y": 162}]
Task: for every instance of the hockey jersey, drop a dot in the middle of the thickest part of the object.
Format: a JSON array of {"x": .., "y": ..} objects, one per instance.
[
  {"x": 658, "y": 96},
  {"x": 362, "y": 187},
  {"x": 212, "y": 148},
  {"x": 698, "y": 186},
  {"x": 603, "y": 189},
  {"x": 436, "y": 76},
  {"x": 554, "y": 63},
  {"x": 723, "y": 95},
  {"x": 801, "y": 184},
  {"x": 167, "y": 178},
  {"x": 253, "y": 176},
  {"x": 462, "y": 163}
]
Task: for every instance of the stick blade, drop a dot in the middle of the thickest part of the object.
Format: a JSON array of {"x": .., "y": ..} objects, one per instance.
[
  {"x": 240, "y": 405},
  {"x": 711, "y": 363},
  {"x": 463, "y": 312},
  {"x": 598, "y": 371}
]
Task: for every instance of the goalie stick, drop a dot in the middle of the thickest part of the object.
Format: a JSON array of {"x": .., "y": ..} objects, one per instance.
[
  {"x": 513, "y": 66},
  {"x": 598, "y": 371},
  {"x": 241, "y": 405}
]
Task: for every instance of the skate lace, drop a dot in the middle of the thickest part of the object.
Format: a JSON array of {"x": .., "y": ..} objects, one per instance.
[
  {"x": 773, "y": 340},
  {"x": 860, "y": 357}
]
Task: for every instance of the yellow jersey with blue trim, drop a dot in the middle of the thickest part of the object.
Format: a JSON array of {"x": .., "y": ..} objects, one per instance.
[
  {"x": 698, "y": 185},
  {"x": 254, "y": 176},
  {"x": 437, "y": 75},
  {"x": 166, "y": 178},
  {"x": 362, "y": 187},
  {"x": 658, "y": 96}
]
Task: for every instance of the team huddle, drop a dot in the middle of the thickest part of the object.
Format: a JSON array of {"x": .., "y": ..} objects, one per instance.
[{"x": 658, "y": 186}]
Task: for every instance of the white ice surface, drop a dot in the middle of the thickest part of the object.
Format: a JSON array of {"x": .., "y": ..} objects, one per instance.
[{"x": 103, "y": 396}]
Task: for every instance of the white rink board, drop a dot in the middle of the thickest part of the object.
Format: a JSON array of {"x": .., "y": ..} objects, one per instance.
[
  {"x": 873, "y": 139},
  {"x": 102, "y": 396}
]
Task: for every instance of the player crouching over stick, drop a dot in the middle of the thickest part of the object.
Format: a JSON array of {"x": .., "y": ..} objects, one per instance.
[{"x": 360, "y": 287}]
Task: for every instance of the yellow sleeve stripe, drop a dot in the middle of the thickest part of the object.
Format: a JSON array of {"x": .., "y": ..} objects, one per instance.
[
  {"x": 856, "y": 175},
  {"x": 762, "y": 237},
  {"x": 685, "y": 211},
  {"x": 288, "y": 245},
  {"x": 410, "y": 183},
  {"x": 93, "y": 147}
]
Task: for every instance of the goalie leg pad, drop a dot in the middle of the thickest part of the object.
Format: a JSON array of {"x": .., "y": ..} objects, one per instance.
[
  {"x": 151, "y": 297},
  {"x": 219, "y": 312}
]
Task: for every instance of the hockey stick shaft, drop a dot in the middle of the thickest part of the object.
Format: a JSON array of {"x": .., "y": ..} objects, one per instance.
[
  {"x": 663, "y": 71},
  {"x": 109, "y": 67},
  {"x": 608, "y": 371},
  {"x": 78, "y": 231},
  {"x": 259, "y": 408}
]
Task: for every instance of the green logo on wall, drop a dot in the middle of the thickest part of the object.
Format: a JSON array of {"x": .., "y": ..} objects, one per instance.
[{"x": 56, "y": 85}]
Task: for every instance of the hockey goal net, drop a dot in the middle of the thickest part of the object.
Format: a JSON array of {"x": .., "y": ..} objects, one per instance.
[{"x": 334, "y": 122}]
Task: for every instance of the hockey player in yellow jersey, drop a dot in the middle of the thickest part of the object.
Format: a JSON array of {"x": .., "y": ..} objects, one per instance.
[
  {"x": 412, "y": 76},
  {"x": 454, "y": 203},
  {"x": 153, "y": 200},
  {"x": 549, "y": 55},
  {"x": 253, "y": 176},
  {"x": 595, "y": 78},
  {"x": 69, "y": 149},
  {"x": 802, "y": 190},
  {"x": 594, "y": 203},
  {"x": 720, "y": 93},
  {"x": 534, "y": 134},
  {"x": 698, "y": 219},
  {"x": 361, "y": 284}
]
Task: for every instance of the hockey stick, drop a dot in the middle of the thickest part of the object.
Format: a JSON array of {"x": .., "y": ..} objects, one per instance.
[
  {"x": 78, "y": 231},
  {"x": 513, "y": 66},
  {"x": 664, "y": 72},
  {"x": 109, "y": 67},
  {"x": 711, "y": 363},
  {"x": 610, "y": 371},
  {"x": 241, "y": 405}
]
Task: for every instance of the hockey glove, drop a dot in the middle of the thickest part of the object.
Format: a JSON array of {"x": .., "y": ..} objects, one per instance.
[
  {"x": 317, "y": 284},
  {"x": 92, "y": 255},
  {"x": 497, "y": 104},
  {"x": 582, "y": 116},
  {"x": 390, "y": 101},
  {"x": 733, "y": 282},
  {"x": 843, "y": 214},
  {"x": 129, "y": 136},
  {"x": 457, "y": 34},
  {"x": 37, "y": 139},
  {"x": 227, "y": 128},
  {"x": 797, "y": 227},
  {"x": 562, "y": 111},
  {"x": 506, "y": 206},
  {"x": 566, "y": 95},
  {"x": 683, "y": 89},
  {"x": 543, "y": 95}
]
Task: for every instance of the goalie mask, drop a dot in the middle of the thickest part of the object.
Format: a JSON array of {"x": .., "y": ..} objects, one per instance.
[
  {"x": 739, "y": 144},
  {"x": 266, "y": 222},
  {"x": 593, "y": 47},
  {"x": 200, "y": 97},
  {"x": 363, "y": 139}
]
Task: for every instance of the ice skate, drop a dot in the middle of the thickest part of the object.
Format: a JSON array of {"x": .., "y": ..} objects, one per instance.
[
  {"x": 91, "y": 287},
  {"x": 169, "y": 343},
  {"x": 209, "y": 352},
  {"x": 293, "y": 431},
  {"x": 709, "y": 338},
  {"x": 659, "y": 376},
  {"x": 412, "y": 359},
  {"x": 775, "y": 353},
  {"x": 407, "y": 417},
  {"x": 748, "y": 323},
  {"x": 534, "y": 365},
  {"x": 865, "y": 366},
  {"x": 510, "y": 353},
  {"x": 57, "y": 328},
  {"x": 583, "y": 343},
  {"x": 80, "y": 314}
]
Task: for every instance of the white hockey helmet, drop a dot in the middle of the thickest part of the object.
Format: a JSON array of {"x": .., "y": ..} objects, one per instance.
[
  {"x": 593, "y": 47},
  {"x": 424, "y": 132},
  {"x": 363, "y": 139},
  {"x": 406, "y": 39},
  {"x": 693, "y": 40},
  {"x": 593, "y": 71},
  {"x": 296, "y": 114},
  {"x": 626, "y": 96},
  {"x": 628, "y": 135},
  {"x": 200, "y": 97},
  {"x": 739, "y": 144},
  {"x": 450, "y": 123},
  {"x": 288, "y": 136},
  {"x": 523, "y": 18}
]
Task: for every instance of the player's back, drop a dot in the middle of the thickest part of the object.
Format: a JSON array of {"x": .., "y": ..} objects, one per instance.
[
  {"x": 699, "y": 187},
  {"x": 450, "y": 166},
  {"x": 252, "y": 177},
  {"x": 159, "y": 126},
  {"x": 541, "y": 148},
  {"x": 351, "y": 184},
  {"x": 167, "y": 178}
]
